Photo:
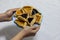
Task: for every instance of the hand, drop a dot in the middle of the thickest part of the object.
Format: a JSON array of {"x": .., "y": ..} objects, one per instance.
[
  {"x": 7, "y": 16},
  {"x": 9, "y": 13},
  {"x": 31, "y": 31}
]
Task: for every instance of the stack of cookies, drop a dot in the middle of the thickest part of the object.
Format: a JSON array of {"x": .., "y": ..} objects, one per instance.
[{"x": 27, "y": 16}]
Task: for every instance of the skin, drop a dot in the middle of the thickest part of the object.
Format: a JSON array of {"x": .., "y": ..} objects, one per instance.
[
  {"x": 7, "y": 16},
  {"x": 26, "y": 32}
]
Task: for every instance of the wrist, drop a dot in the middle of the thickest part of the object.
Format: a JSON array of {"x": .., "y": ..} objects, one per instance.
[
  {"x": 19, "y": 36},
  {"x": 22, "y": 33},
  {"x": 3, "y": 17},
  {"x": 7, "y": 17}
]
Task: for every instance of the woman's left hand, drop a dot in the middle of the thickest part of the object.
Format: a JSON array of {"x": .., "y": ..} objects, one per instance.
[{"x": 9, "y": 13}]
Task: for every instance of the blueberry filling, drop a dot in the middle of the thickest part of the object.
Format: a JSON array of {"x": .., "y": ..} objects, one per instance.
[
  {"x": 34, "y": 11},
  {"x": 30, "y": 19},
  {"x": 24, "y": 15}
]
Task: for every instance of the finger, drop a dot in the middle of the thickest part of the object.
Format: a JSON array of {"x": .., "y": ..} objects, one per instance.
[
  {"x": 12, "y": 10},
  {"x": 35, "y": 29}
]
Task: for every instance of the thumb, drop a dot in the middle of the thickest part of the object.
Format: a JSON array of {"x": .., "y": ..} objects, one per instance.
[
  {"x": 34, "y": 30},
  {"x": 12, "y": 10}
]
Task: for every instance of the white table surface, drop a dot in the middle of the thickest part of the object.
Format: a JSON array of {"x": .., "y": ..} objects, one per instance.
[{"x": 50, "y": 27}]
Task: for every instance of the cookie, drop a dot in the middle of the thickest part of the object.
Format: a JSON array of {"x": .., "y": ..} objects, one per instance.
[{"x": 27, "y": 16}]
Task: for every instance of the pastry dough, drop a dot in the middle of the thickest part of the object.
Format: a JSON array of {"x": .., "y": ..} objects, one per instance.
[
  {"x": 31, "y": 20},
  {"x": 38, "y": 18},
  {"x": 20, "y": 23}
]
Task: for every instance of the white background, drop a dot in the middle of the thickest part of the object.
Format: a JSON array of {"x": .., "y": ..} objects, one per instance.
[{"x": 50, "y": 27}]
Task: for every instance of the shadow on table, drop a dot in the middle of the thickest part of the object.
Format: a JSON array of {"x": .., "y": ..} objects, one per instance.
[{"x": 11, "y": 31}]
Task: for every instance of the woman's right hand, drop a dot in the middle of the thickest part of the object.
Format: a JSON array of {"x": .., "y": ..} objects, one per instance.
[
  {"x": 30, "y": 31},
  {"x": 26, "y": 32}
]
